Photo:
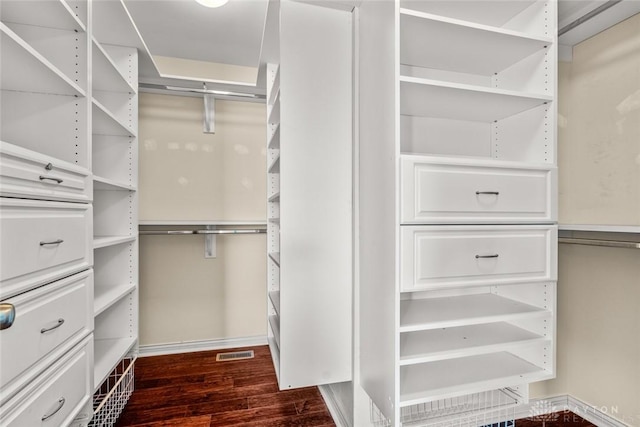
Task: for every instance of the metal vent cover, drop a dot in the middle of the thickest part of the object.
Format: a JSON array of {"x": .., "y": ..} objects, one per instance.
[{"x": 234, "y": 355}]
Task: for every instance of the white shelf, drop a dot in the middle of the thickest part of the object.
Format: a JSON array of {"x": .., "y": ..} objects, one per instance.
[
  {"x": 274, "y": 139},
  {"x": 447, "y": 312},
  {"x": 200, "y": 222},
  {"x": 107, "y": 354},
  {"x": 274, "y": 114},
  {"x": 274, "y": 321},
  {"x": 275, "y": 257},
  {"x": 432, "y": 41},
  {"x": 274, "y": 296},
  {"x": 105, "y": 123},
  {"x": 105, "y": 241},
  {"x": 430, "y": 381},
  {"x": 600, "y": 228},
  {"x": 106, "y": 299},
  {"x": 26, "y": 70},
  {"x": 274, "y": 167},
  {"x": 106, "y": 74},
  {"x": 100, "y": 183},
  {"x": 275, "y": 88},
  {"x": 274, "y": 197},
  {"x": 50, "y": 14},
  {"x": 437, "y": 99},
  {"x": 275, "y": 220},
  {"x": 445, "y": 343}
]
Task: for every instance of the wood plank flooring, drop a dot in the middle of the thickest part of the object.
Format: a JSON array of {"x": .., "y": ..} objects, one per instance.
[{"x": 193, "y": 390}]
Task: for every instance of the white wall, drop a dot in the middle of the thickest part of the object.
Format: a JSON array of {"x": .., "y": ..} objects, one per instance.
[
  {"x": 599, "y": 167},
  {"x": 188, "y": 175}
]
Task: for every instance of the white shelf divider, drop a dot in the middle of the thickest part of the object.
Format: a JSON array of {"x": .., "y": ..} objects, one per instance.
[
  {"x": 445, "y": 343},
  {"x": 448, "y": 312},
  {"x": 274, "y": 296},
  {"x": 274, "y": 167},
  {"x": 100, "y": 183},
  {"x": 274, "y": 321},
  {"x": 104, "y": 300},
  {"x": 275, "y": 257},
  {"x": 462, "y": 46},
  {"x": 26, "y": 70},
  {"x": 106, "y": 74},
  {"x": 274, "y": 197},
  {"x": 274, "y": 113},
  {"x": 105, "y": 123},
  {"x": 275, "y": 88},
  {"x": 105, "y": 241},
  {"x": 50, "y": 14},
  {"x": 274, "y": 139},
  {"x": 107, "y": 353},
  {"x": 433, "y": 98}
]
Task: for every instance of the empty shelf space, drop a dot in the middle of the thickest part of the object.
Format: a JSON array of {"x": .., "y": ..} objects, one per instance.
[
  {"x": 105, "y": 241},
  {"x": 275, "y": 355},
  {"x": 275, "y": 88},
  {"x": 26, "y": 70},
  {"x": 274, "y": 197},
  {"x": 447, "y": 312},
  {"x": 105, "y": 298},
  {"x": 437, "y": 380},
  {"x": 107, "y": 354},
  {"x": 100, "y": 183},
  {"x": 105, "y": 123},
  {"x": 274, "y": 167},
  {"x": 274, "y": 111},
  {"x": 106, "y": 74},
  {"x": 444, "y": 343},
  {"x": 437, "y": 99},
  {"x": 274, "y": 296},
  {"x": 275, "y": 257},
  {"x": 274, "y": 139},
  {"x": 50, "y": 14},
  {"x": 432, "y": 41},
  {"x": 274, "y": 321}
]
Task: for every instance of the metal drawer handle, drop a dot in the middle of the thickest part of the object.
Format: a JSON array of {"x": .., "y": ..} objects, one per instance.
[
  {"x": 7, "y": 315},
  {"x": 487, "y": 256},
  {"x": 493, "y": 193},
  {"x": 56, "y": 326},
  {"x": 58, "y": 180},
  {"x": 55, "y": 242},
  {"x": 61, "y": 402}
]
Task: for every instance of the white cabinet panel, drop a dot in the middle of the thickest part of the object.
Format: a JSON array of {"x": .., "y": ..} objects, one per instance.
[
  {"x": 47, "y": 319},
  {"x": 42, "y": 242},
  {"x": 56, "y": 397},
  {"x": 447, "y": 190},
  {"x": 446, "y": 257},
  {"x": 25, "y": 173}
]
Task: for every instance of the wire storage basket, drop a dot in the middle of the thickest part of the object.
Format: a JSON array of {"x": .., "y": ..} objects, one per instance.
[
  {"x": 495, "y": 408},
  {"x": 114, "y": 393}
]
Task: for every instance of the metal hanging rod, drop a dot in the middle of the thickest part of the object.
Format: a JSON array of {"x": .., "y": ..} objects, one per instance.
[
  {"x": 597, "y": 242},
  {"x": 202, "y": 231}
]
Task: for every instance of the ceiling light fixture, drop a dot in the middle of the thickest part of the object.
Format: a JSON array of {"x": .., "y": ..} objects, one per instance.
[{"x": 212, "y": 3}]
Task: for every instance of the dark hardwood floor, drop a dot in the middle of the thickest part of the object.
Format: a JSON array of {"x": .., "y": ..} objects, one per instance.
[{"x": 193, "y": 390}]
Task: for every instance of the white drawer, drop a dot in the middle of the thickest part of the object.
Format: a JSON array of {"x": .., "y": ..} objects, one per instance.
[
  {"x": 28, "y": 174},
  {"x": 48, "y": 322},
  {"x": 29, "y": 254},
  {"x": 437, "y": 257},
  {"x": 57, "y": 396},
  {"x": 445, "y": 190}
]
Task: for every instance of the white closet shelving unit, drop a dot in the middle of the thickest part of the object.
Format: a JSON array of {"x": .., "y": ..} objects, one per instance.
[
  {"x": 458, "y": 210},
  {"x": 309, "y": 193}
]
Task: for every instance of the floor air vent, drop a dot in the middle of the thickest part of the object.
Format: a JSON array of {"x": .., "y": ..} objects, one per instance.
[{"x": 234, "y": 355}]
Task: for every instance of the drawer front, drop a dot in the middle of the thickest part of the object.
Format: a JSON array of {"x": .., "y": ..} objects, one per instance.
[
  {"x": 41, "y": 242},
  {"x": 57, "y": 396},
  {"x": 27, "y": 174},
  {"x": 453, "y": 193},
  {"x": 52, "y": 316},
  {"x": 445, "y": 257}
]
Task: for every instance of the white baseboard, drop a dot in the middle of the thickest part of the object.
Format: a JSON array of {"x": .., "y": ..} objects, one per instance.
[
  {"x": 537, "y": 408},
  {"x": 191, "y": 346},
  {"x": 335, "y": 408}
]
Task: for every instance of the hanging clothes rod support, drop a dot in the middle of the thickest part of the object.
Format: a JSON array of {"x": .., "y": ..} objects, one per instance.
[{"x": 602, "y": 243}]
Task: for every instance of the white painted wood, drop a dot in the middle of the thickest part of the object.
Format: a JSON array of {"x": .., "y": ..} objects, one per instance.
[
  {"x": 43, "y": 13},
  {"x": 66, "y": 299},
  {"x": 106, "y": 123},
  {"x": 105, "y": 297},
  {"x": 21, "y": 169},
  {"x": 444, "y": 257},
  {"x": 69, "y": 377},
  {"x": 25, "y": 263},
  {"x": 600, "y": 228},
  {"x": 465, "y": 48},
  {"x": 100, "y": 183},
  {"x": 274, "y": 323},
  {"x": 274, "y": 297},
  {"x": 432, "y": 98},
  {"x": 107, "y": 75},
  {"x": 449, "y": 312},
  {"x": 258, "y": 222},
  {"x": 108, "y": 352},
  {"x": 112, "y": 213},
  {"x": 274, "y": 136},
  {"x": 439, "y": 380},
  {"x": 106, "y": 241},
  {"x": 440, "y": 190}
]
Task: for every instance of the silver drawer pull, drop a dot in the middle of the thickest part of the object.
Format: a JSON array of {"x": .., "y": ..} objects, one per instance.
[
  {"x": 487, "y": 256},
  {"x": 61, "y": 402},
  {"x": 54, "y": 242},
  {"x": 493, "y": 193},
  {"x": 58, "y": 180},
  {"x": 7, "y": 315},
  {"x": 56, "y": 326}
]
